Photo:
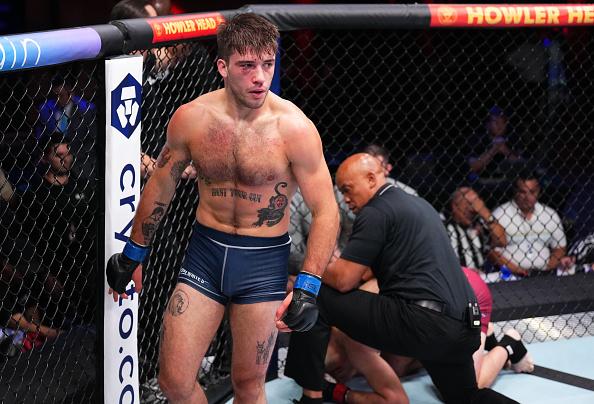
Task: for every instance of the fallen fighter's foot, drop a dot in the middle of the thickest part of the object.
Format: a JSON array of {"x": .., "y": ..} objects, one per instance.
[{"x": 520, "y": 358}]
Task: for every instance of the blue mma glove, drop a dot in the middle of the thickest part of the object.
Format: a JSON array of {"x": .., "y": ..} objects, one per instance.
[
  {"x": 302, "y": 313},
  {"x": 121, "y": 266}
]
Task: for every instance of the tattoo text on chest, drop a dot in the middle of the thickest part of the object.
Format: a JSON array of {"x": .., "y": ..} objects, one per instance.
[
  {"x": 275, "y": 211},
  {"x": 151, "y": 223},
  {"x": 179, "y": 303},
  {"x": 236, "y": 193},
  {"x": 263, "y": 350}
]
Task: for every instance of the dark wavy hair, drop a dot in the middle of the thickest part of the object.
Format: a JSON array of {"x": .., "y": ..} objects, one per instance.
[{"x": 245, "y": 33}]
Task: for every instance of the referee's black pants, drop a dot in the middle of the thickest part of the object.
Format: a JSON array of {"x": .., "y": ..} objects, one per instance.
[{"x": 444, "y": 345}]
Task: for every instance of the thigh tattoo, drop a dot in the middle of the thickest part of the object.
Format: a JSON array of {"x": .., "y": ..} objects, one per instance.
[
  {"x": 263, "y": 350},
  {"x": 178, "y": 303}
]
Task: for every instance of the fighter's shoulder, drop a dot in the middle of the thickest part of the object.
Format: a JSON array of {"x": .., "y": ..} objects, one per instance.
[
  {"x": 291, "y": 120},
  {"x": 202, "y": 109}
]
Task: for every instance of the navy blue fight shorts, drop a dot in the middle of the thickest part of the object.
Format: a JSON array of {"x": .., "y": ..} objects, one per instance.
[{"x": 240, "y": 269}]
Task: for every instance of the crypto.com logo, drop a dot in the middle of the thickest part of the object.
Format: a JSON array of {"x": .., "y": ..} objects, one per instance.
[{"x": 125, "y": 106}]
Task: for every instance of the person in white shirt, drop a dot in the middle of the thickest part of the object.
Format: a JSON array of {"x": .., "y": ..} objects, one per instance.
[{"x": 536, "y": 241}]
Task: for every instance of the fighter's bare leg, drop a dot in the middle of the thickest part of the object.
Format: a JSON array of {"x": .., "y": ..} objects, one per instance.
[
  {"x": 379, "y": 375},
  {"x": 337, "y": 362},
  {"x": 254, "y": 334},
  {"x": 189, "y": 324},
  {"x": 402, "y": 365},
  {"x": 487, "y": 366}
]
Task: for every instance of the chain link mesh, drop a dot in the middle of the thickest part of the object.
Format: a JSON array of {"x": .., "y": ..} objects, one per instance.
[
  {"x": 433, "y": 100},
  {"x": 48, "y": 233},
  {"x": 427, "y": 97}
]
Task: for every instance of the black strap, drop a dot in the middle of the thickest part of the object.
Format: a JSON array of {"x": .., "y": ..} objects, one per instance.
[{"x": 562, "y": 377}]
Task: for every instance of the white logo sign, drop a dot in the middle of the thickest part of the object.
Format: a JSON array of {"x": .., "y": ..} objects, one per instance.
[{"x": 128, "y": 111}]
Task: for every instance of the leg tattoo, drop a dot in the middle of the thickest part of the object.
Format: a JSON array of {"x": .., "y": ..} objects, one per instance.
[
  {"x": 263, "y": 350},
  {"x": 179, "y": 303}
]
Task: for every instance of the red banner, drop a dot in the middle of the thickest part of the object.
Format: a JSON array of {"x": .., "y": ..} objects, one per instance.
[
  {"x": 173, "y": 28},
  {"x": 510, "y": 15}
]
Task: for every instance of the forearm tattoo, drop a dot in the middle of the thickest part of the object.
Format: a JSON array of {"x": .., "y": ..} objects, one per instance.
[
  {"x": 263, "y": 350},
  {"x": 164, "y": 157},
  {"x": 178, "y": 303},
  {"x": 275, "y": 211},
  {"x": 151, "y": 223},
  {"x": 178, "y": 168}
]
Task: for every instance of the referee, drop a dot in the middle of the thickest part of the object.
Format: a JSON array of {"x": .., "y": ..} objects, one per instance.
[{"x": 425, "y": 308}]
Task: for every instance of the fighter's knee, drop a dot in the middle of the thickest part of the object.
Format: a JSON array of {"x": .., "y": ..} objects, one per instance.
[
  {"x": 248, "y": 386},
  {"x": 176, "y": 387}
]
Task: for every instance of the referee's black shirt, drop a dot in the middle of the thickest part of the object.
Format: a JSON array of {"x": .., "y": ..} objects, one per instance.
[{"x": 403, "y": 240}]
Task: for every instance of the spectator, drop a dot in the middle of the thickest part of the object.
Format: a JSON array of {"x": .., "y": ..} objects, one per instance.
[
  {"x": 380, "y": 153},
  {"x": 127, "y": 9},
  {"x": 73, "y": 117},
  {"x": 494, "y": 146},
  {"x": 581, "y": 253},
  {"x": 57, "y": 213},
  {"x": 535, "y": 237},
  {"x": 472, "y": 228},
  {"x": 23, "y": 296},
  {"x": 162, "y": 7}
]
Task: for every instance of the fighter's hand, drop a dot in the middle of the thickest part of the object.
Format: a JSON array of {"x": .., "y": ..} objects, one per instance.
[
  {"x": 302, "y": 311},
  {"x": 280, "y": 313},
  {"x": 120, "y": 271}
]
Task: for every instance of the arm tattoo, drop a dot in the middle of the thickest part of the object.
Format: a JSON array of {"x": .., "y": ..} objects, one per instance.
[
  {"x": 164, "y": 157},
  {"x": 263, "y": 350},
  {"x": 151, "y": 223},
  {"x": 178, "y": 168},
  {"x": 178, "y": 303},
  {"x": 275, "y": 211}
]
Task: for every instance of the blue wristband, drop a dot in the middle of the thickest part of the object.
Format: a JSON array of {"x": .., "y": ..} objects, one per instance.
[
  {"x": 134, "y": 251},
  {"x": 307, "y": 282}
]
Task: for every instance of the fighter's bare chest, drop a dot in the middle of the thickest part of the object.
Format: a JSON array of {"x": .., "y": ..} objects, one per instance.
[{"x": 251, "y": 156}]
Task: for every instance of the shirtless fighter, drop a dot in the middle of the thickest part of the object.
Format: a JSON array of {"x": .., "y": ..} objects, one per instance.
[{"x": 251, "y": 149}]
